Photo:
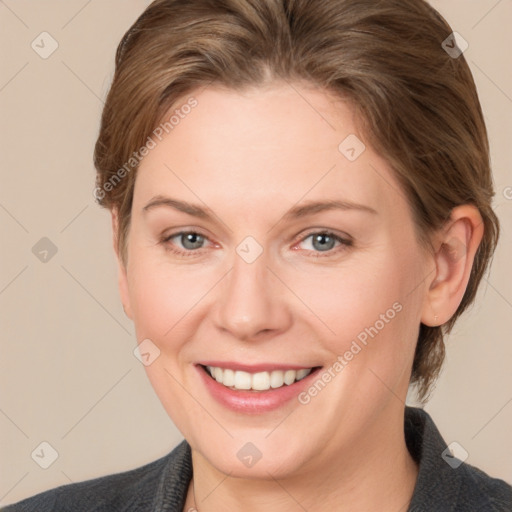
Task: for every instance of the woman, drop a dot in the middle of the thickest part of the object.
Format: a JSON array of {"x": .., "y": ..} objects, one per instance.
[{"x": 300, "y": 196}]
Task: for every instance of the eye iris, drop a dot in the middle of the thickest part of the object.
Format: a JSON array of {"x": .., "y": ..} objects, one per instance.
[
  {"x": 194, "y": 239},
  {"x": 325, "y": 240}
]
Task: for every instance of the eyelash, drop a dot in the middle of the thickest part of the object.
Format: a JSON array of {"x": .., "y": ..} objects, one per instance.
[{"x": 344, "y": 244}]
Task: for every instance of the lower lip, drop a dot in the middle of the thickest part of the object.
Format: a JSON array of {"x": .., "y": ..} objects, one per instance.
[{"x": 254, "y": 402}]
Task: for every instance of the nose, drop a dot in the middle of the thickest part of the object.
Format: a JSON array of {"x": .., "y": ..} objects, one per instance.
[{"x": 253, "y": 302}]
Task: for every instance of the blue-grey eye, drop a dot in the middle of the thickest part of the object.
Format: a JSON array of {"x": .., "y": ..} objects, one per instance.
[
  {"x": 191, "y": 240},
  {"x": 323, "y": 241}
]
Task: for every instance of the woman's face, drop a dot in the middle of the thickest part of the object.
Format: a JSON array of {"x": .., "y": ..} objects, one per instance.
[{"x": 268, "y": 279}]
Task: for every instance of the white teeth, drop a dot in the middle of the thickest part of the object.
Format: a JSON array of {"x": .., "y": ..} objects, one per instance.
[
  {"x": 276, "y": 379},
  {"x": 302, "y": 373},
  {"x": 261, "y": 381},
  {"x": 217, "y": 374},
  {"x": 242, "y": 380},
  {"x": 228, "y": 378},
  {"x": 289, "y": 376}
]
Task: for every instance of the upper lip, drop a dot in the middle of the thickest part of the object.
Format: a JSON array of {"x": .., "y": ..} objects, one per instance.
[{"x": 255, "y": 368}]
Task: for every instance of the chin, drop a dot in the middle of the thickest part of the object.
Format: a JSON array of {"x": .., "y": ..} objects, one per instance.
[{"x": 261, "y": 460}]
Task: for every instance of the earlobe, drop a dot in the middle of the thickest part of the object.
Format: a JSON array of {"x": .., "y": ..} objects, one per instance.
[
  {"x": 122, "y": 270},
  {"x": 456, "y": 247}
]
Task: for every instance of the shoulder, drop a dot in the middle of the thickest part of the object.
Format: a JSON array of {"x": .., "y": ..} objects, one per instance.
[
  {"x": 446, "y": 483},
  {"x": 482, "y": 492},
  {"x": 134, "y": 490}
]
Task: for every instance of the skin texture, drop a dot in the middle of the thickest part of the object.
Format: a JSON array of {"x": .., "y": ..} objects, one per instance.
[{"x": 249, "y": 157}]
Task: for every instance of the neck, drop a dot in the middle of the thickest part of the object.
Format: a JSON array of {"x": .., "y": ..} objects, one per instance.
[{"x": 375, "y": 473}]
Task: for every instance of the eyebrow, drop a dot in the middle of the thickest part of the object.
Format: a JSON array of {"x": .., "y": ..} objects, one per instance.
[{"x": 298, "y": 211}]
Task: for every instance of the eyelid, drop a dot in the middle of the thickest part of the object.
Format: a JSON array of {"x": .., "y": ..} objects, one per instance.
[
  {"x": 323, "y": 231},
  {"x": 183, "y": 231}
]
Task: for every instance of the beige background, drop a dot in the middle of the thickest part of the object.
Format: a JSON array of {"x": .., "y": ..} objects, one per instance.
[{"x": 68, "y": 374}]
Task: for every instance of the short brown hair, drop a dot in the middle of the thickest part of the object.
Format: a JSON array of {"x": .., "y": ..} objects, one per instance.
[{"x": 417, "y": 105}]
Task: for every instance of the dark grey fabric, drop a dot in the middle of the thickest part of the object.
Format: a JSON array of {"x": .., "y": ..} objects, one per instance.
[
  {"x": 439, "y": 487},
  {"x": 162, "y": 485}
]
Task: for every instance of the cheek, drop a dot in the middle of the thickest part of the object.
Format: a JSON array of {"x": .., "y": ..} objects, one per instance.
[
  {"x": 350, "y": 298},
  {"x": 165, "y": 302},
  {"x": 165, "y": 297}
]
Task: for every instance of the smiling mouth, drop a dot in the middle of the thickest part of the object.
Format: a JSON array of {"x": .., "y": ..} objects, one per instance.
[{"x": 260, "y": 381}]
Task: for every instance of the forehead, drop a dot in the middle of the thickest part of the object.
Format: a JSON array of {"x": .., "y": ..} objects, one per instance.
[{"x": 265, "y": 147}]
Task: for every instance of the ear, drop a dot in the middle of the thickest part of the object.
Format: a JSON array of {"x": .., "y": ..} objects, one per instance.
[
  {"x": 455, "y": 245},
  {"x": 122, "y": 275}
]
